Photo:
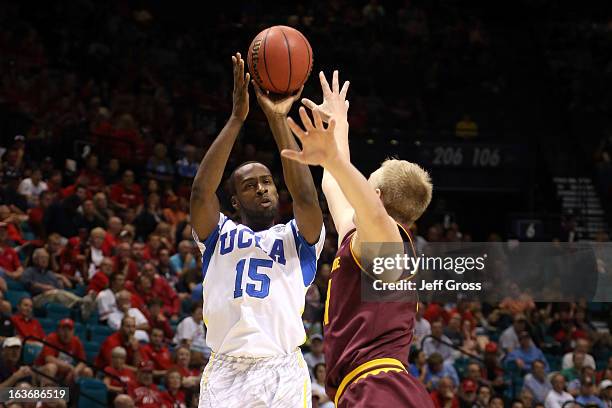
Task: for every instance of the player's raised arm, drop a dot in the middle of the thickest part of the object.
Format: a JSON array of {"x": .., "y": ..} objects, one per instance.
[
  {"x": 204, "y": 204},
  {"x": 320, "y": 148},
  {"x": 335, "y": 106},
  {"x": 297, "y": 176}
]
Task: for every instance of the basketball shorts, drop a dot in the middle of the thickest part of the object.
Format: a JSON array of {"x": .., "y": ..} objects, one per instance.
[{"x": 244, "y": 382}]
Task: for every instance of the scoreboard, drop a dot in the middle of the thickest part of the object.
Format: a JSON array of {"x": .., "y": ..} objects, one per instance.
[{"x": 456, "y": 165}]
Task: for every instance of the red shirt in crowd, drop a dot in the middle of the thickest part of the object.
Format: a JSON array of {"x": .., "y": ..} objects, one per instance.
[
  {"x": 98, "y": 282},
  {"x": 132, "y": 269},
  {"x": 127, "y": 376},
  {"x": 186, "y": 372},
  {"x": 112, "y": 341},
  {"x": 174, "y": 401},
  {"x": 161, "y": 358},
  {"x": 157, "y": 323},
  {"x": 27, "y": 327},
  {"x": 147, "y": 396},
  {"x": 439, "y": 402},
  {"x": 131, "y": 197},
  {"x": 9, "y": 259},
  {"x": 74, "y": 347},
  {"x": 110, "y": 241}
]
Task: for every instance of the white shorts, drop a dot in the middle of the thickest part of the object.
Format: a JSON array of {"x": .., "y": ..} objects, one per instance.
[{"x": 243, "y": 382}]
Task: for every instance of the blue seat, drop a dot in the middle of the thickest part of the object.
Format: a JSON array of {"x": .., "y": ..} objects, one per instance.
[
  {"x": 80, "y": 331},
  {"x": 30, "y": 352},
  {"x": 14, "y": 296},
  {"x": 92, "y": 393},
  {"x": 57, "y": 311},
  {"x": 48, "y": 325},
  {"x": 99, "y": 332},
  {"x": 13, "y": 284},
  {"x": 92, "y": 348}
]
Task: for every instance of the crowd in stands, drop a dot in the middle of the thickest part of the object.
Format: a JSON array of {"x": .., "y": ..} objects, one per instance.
[{"x": 104, "y": 118}]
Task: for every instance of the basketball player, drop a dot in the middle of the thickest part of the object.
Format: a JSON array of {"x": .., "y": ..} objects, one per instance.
[
  {"x": 366, "y": 343},
  {"x": 255, "y": 273}
]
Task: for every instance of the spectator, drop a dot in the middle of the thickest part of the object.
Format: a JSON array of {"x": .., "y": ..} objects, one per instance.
[
  {"x": 557, "y": 396},
  {"x": 123, "y": 401},
  {"x": 587, "y": 395},
  {"x": 525, "y": 398},
  {"x": 24, "y": 322},
  {"x": 146, "y": 394},
  {"x": 467, "y": 393},
  {"x": 418, "y": 366},
  {"x": 422, "y": 328},
  {"x": 474, "y": 372},
  {"x": 573, "y": 372},
  {"x": 101, "y": 206},
  {"x": 496, "y": 402},
  {"x": 182, "y": 360},
  {"x": 158, "y": 320},
  {"x": 191, "y": 333},
  {"x": 123, "y": 262},
  {"x": 439, "y": 368},
  {"x": 183, "y": 260},
  {"x": 606, "y": 392},
  {"x": 483, "y": 396},
  {"x": 124, "y": 338},
  {"x": 318, "y": 387},
  {"x": 536, "y": 381},
  {"x": 62, "y": 359},
  {"x": 118, "y": 378},
  {"x": 32, "y": 187},
  {"x": 493, "y": 372},
  {"x": 106, "y": 300},
  {"x": 315, "y": 355},
  {"x": 438, "y": 343},
  {"x": 11, "y": 368},
  {"x": 101, "y": 279},
  {"x": 158, "y": 353},
  {"x": 527, "y": 353},
  {"x": 88, "y": 217},
  {"x": 444, "y": 394},
  {"x": 187, "y": 166},
  {"x": 453, "y": 330},
  {"x": 162, "y": 290},
  {"x": 582, "y": 345},
  {"x": 509, "y": 338},
  {"x": 124, "y": 308},
  {"x": 174, "y": 396},
  {"x": 91, "y": 176},
  {"x": 10, "y": 266},
  {"x": 149, "y": 216},
  {"x": 159, "y": 167},
  {"x": 111, "y": 239},
  {"x": 126, "y": 194},
  {"x": 48, "y": 288}
]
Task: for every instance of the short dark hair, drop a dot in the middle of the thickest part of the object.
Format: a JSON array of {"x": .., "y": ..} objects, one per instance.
[{"x": 231, "y": 186}]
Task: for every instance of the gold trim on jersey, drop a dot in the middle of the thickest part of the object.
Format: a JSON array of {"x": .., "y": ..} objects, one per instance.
[{"x": 371, "y": 367}]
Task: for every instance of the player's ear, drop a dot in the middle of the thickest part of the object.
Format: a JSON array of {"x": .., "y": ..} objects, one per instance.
[
  {"x": 235, "y": 203},
  {"x": 379, "y": 193}
]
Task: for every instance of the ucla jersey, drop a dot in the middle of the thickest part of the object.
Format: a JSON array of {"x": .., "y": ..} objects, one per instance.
[{"x": 253, "y": 287}]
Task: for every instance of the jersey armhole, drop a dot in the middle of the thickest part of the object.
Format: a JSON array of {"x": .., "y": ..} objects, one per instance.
[
  {"x": 307, "y": 255},
  {"x": 209, "y": 244}
]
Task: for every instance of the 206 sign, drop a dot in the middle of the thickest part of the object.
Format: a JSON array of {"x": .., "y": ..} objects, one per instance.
[{"x": 473, "y": 157}]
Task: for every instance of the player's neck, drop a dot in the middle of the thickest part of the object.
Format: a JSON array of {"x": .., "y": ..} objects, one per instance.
[{"x": 257, "y": 225}]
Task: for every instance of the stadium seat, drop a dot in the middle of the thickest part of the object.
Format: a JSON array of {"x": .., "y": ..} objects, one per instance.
[
  {"x": 30, "y": 352},
  {"x": 14, "y": 296},
  {"x": 80, "y": 331},
  {"x": 57, "y": 311},
  {"x": 12, "y": 284},
  {"x": 99, "y": 332},
  {"x": 48, "y": 325},
  {"x": 91, "y": 350},
  {"x": 92, "y": 393}
]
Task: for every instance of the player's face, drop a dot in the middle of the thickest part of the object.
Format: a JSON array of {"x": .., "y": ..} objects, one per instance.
[{"x": 256, "y": 196}]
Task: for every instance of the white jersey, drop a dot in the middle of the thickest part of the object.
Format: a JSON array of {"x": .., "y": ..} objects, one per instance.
[{"x": 253, "y": 288}]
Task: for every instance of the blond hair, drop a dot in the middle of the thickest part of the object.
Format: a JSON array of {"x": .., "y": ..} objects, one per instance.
[{"x": 405, "y": 189}]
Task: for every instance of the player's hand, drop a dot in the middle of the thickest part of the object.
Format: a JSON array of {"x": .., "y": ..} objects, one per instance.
[
  {"x": 318, "y": 143},
  {"x": 334, "y": 103},
  {"x": 240, "y": 109},
  {"x": 275, "y": 105}
]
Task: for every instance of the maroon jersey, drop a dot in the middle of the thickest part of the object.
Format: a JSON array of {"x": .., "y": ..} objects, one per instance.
[{"x": 357, "y": 332}]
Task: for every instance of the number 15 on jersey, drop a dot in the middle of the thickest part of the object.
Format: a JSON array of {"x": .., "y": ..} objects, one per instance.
[{"x": 254, "y": 264}]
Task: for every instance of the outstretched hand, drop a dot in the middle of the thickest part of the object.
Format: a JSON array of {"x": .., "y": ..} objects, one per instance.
[
  {"x": 274, "y": 105},
  {"x": 318, "y": 143},
  {"x": 240, "y": 108},
  {"x": 334, "y": 103}
]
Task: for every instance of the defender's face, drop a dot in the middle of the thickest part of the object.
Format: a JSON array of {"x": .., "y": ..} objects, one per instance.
[{"x": 256, "y": 192}]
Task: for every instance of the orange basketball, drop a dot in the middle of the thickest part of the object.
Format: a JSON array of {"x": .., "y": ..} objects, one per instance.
[{"x": 280, "y": 59}]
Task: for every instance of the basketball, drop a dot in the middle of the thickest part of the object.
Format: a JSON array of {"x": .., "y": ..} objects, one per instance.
[{"x": 280, "y": 59}]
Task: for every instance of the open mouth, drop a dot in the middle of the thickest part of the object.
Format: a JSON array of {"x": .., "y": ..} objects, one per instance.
[{"x": 265, "y": 202}]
